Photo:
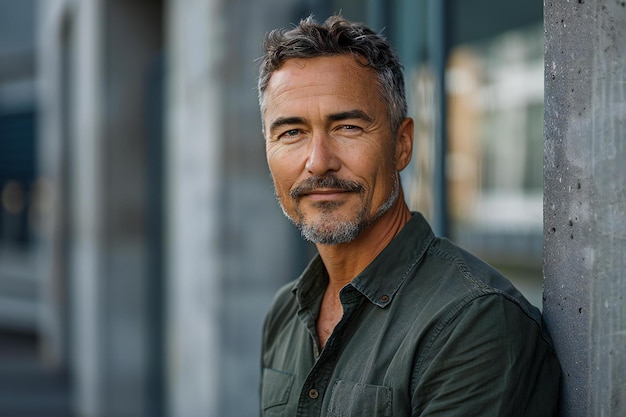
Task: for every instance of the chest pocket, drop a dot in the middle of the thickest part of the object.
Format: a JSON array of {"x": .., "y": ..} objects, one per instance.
[
  {"x": 353, "y": 399},
  {"x": 276, "y": 388}
]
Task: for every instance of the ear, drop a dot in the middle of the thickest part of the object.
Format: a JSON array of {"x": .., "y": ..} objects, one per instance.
[{"x": 404, "y": 144}]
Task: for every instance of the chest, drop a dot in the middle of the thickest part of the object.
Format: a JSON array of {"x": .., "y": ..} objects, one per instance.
[
  {"x": 331, "y": 312},
  {"x": 362, "y": 369}
]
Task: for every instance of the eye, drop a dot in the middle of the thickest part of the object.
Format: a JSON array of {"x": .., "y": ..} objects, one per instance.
[
  {"x": 290, "y": 135},
  {"x": 292, "y": 132},
  {"x": 349, "y": 129}
]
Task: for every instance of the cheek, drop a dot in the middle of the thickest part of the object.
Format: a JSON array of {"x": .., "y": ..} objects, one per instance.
[
  {"x": 383, "y": 179},
  {"x": 283, "y": 175},
  {"x": 375, "y": 166}
]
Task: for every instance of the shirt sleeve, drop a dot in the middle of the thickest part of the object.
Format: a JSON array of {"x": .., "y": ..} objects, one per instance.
[{"x": 487, "y": 359}]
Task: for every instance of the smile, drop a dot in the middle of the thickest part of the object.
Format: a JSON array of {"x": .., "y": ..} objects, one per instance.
[{"x": 325, "y": 195}]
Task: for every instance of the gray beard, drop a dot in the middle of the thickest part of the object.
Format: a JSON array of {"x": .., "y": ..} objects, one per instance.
[{"x": 329, "y": 231}]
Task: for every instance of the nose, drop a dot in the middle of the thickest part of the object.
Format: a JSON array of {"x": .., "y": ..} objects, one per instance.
[{"x": 322, "y": 158}]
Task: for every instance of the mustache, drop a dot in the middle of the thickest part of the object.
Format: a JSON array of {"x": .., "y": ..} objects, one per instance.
[{"x": 327, "y": 182}]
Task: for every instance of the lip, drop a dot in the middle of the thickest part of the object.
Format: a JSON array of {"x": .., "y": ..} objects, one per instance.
[{"x": 325, "y": 195}]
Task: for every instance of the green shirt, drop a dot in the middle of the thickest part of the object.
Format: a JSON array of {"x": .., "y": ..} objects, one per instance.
[{"x": 427, "y": 330}]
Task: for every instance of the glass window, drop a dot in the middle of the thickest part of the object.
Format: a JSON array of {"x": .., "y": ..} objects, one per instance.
[{"x": 495, "y": 152}]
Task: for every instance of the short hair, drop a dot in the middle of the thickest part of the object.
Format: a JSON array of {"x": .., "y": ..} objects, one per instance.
[{"x": 337, "y": 36}]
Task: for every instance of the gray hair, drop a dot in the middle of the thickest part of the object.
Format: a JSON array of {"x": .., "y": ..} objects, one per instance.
[{"x": 337, "y": 36}]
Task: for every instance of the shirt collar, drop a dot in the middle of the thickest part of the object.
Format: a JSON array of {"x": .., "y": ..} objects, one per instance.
[
  {"x": 381, "y": 279},
  {"x": 310, "y": 286}
]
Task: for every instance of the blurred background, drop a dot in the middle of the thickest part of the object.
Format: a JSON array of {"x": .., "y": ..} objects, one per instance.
[{"x": 140, "y": 240}]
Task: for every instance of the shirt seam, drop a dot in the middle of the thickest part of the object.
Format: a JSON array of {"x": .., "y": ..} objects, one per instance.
[{"x": 462, "y": 268}]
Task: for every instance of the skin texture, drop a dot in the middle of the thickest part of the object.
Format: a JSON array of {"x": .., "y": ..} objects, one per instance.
[{"x": 335, "y": 164}]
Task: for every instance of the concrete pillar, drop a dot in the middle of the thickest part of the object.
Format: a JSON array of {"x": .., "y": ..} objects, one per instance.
[
  {"x": 132, "y": 44},
  {"x": 69, "y": 69},
  {"x": 87, "y": 238},
  {"x": 585, "y": 201},
  {"x": 53, "y": 56},
  {"x": 95, "y": 59},
  {"x": 196, "y": 45}
]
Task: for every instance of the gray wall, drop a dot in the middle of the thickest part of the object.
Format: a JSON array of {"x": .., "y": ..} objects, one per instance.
[{"x": 585, "y": 201}]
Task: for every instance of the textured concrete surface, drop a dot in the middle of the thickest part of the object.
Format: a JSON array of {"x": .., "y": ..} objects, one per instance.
[{"x": 585, "y": 201}]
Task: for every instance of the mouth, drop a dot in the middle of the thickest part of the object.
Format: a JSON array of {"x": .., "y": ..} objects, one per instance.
[
  {"x": 326, "y": 194},
  {"x": 325, "y": 188}
]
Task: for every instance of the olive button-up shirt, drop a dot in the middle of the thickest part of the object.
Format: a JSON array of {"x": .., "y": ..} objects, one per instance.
[{"x": 427, "y": 330}]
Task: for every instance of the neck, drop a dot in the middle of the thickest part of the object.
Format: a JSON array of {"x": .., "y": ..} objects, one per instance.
[{"x": 346, "y": 260}]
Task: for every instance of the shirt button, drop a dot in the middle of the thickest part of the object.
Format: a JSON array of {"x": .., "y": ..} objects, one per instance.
[
  {"x": 384, "y": 298},
  {"x": 313, "y": 393}
]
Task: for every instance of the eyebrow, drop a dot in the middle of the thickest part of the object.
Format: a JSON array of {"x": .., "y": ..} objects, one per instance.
[
  {"x": 335, "y": 117},
  {"x": 282, "y": 121},
  {"x": 350, "y": 114}
]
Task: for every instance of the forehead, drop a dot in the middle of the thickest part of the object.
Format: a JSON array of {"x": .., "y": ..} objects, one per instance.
[{"x": 337, "y": 78}]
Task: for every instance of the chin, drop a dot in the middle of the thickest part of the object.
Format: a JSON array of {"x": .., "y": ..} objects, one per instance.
[
  {"x": 332, "y": 227},
  {"x": 333, "y": 234}
]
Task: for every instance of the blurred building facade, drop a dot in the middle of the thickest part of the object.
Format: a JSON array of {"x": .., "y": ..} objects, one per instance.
[{"x": 148, "y": 243}]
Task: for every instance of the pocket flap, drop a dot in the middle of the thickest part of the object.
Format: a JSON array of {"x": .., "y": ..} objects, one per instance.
[
  {"x": 276, "y": 387},
  {"x": 353, "y": 399}
]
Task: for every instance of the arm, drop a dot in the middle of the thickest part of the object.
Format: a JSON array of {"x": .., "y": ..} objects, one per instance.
[{"x": 486, "y": 359}]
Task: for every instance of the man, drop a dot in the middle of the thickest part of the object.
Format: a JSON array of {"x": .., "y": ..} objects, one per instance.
[{"x": 388, "y": 320}]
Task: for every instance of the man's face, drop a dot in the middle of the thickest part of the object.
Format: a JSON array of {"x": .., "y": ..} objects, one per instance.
[{"x": 330, "y": 147}]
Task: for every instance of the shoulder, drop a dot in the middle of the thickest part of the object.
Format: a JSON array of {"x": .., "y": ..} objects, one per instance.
[
  {"x": 490, "y": 315},
  {"x": 460, "y": 286},
  {"x": 472, "y": 277}
]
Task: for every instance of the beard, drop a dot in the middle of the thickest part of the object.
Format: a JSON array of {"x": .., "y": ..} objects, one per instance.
[{"x": 329, "y": 228}]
